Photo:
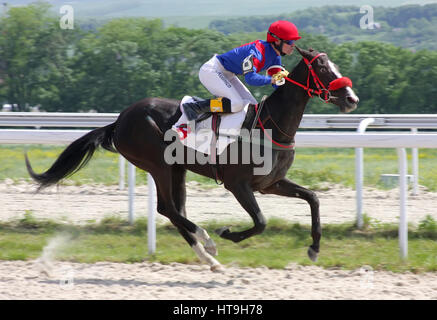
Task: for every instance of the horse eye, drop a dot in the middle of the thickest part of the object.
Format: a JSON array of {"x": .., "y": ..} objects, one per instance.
[{"x": 323, "y": 69}]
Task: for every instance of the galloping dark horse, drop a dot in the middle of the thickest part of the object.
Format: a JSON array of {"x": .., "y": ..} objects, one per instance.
[{"x": 138, "y": 134}]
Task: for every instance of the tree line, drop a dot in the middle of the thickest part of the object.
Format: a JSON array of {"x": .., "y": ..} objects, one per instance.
[{"x": 109, "y": 67}]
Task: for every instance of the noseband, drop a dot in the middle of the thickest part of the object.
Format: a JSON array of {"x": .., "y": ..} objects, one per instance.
[{"x": 321, "y": 91}]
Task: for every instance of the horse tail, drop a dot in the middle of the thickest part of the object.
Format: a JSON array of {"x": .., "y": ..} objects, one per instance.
[{"x": 75, "y": 156}]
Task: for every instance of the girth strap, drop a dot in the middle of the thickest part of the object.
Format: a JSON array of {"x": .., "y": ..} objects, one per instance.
[
  {"x": 258, "y": 112},
  {"x": 215, "y": 126}
]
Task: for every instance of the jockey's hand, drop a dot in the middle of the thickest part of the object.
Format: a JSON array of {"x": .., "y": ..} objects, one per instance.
[{"x": 278, "y": 78}]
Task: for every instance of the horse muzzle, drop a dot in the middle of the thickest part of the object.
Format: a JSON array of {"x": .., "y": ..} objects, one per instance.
[{"x": 351, "y": 103}]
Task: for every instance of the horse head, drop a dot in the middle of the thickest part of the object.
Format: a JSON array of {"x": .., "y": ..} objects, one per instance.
[{"x": 325, "y": 80}]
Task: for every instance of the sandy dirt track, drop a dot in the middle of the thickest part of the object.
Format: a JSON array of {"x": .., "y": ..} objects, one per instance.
[
  {"x": 64, "y": 280},
  {"x": 79, "y": 204},
  {"x": 22, "y": 280}
]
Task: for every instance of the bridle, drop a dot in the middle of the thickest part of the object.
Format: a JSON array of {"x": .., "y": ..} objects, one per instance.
[{"x": 321, "y": 91}]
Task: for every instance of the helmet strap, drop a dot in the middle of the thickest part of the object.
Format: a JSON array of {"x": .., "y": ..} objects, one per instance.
[{"x": 279, "y": 47}]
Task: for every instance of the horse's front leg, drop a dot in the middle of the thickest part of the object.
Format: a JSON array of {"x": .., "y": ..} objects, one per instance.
[
  {"x": 244, "y": 194},
  {"x": 287, "y": 188}
]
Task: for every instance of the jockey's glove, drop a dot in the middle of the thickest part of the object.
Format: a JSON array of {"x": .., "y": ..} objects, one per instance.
[{"x": 279, "y": 77}]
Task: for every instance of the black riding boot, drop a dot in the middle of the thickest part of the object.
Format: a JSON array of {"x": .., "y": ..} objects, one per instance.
[{"x": 194, "y": 109}]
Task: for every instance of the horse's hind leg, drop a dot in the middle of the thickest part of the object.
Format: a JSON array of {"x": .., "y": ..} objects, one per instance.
[
  {"x": 287, "y": 188},
  {"x": 179, "y": 196},
  {"x": 179, "y": 188},
  {"x": 190, "y": 231}
]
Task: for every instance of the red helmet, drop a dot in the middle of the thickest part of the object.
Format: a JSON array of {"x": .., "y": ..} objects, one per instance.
[{"x": 282, "y": 30}]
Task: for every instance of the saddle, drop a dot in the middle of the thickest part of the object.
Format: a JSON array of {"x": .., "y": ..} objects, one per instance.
[
  {"x": 250, "y": 120},
  {"x": 223, "y": 129}
]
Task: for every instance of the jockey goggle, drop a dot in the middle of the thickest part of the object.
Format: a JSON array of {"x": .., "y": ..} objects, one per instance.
[{"x": 289, "y": 42}]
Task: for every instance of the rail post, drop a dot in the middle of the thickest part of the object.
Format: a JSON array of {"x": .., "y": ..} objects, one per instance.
[
  {"x": 403, "y": 223},
  {"x": 359, "y": 165},
  {"x": 415, "y": 165},
  {"x": 151, "y": 221},
  {"x": 131, "y": 178},
  {"x": 121, "y": 171}
]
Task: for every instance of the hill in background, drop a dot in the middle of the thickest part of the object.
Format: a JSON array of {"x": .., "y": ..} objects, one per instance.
[
  {"x": 411, "y": 26},
  {"x": 198, "y": 13}
]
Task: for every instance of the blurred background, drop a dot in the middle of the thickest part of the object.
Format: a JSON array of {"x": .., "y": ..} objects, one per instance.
[{"x": 120, "y": 52}]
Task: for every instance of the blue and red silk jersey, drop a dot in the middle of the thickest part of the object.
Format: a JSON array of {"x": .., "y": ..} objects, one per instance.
[{"x": 264, "y": 56}]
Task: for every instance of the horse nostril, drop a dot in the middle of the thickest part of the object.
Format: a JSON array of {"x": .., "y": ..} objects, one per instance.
[{"x": 352, "y": 100}]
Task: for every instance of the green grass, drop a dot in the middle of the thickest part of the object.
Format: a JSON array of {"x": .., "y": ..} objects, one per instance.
[
  {"x": 313, "y": 167},
  {"x": 103, "y": 167},
  {"x": 342, "y": 246}
]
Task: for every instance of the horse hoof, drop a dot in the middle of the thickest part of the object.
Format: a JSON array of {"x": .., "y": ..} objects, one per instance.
[
  {"x": 222, "y": 231},
  {"x": 312, "y": 254},
  {"x": 217, "y": 268}
]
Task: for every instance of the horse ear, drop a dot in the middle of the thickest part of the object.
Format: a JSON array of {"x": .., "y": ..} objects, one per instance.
[{"x": 303, "y": 52}]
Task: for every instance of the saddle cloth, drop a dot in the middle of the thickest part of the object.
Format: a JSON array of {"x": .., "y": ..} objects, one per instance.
[{"x": 203, "y": 138}]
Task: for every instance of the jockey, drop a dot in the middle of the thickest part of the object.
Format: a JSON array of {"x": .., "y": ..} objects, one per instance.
[{"x": 219, "y": 74}]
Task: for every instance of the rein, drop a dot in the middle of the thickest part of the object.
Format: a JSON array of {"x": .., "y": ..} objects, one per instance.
[
  {"x": 321, "y": 91},
  {"x": 288, "y": 146}
]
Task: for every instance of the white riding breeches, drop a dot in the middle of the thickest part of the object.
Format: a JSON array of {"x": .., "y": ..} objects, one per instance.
[{"x": 223, "y": 83}]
